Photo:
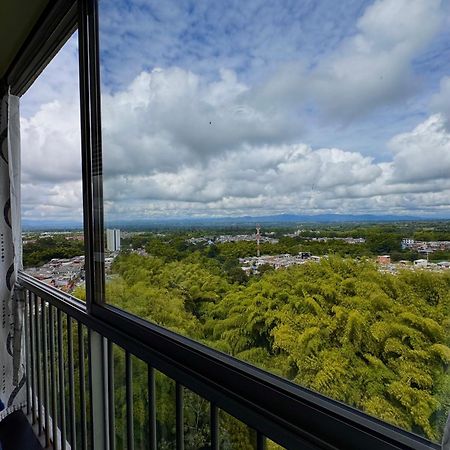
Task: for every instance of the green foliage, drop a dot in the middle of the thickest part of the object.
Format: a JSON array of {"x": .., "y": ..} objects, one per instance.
[
  {"x": 375, "y": 341},
  {"x": 44, "y": 249}
]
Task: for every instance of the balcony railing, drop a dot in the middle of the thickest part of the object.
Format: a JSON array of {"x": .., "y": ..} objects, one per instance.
[{"x": 73, "y": 388}]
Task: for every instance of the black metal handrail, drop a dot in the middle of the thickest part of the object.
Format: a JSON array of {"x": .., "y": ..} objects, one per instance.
[{"x": 290, "y": 415}]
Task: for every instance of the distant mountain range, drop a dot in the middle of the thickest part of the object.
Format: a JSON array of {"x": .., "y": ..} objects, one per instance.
[{"x": 184, "y": 222}]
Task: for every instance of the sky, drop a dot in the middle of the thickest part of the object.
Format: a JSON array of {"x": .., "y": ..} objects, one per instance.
[{"x": 237, "y": 108}]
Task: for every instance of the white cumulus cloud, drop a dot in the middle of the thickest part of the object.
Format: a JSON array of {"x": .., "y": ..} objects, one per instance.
[{"x": 179, "y": 142}]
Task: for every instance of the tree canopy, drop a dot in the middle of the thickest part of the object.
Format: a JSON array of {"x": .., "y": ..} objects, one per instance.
[{"x": 375, "y": 341}]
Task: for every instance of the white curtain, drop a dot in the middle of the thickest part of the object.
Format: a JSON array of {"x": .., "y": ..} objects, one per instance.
[{"x": 12, "y": 303}]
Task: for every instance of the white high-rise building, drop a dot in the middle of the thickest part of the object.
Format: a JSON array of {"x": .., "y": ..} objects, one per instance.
[
  {"x": 113, "y": 240},
  {"x": 407, "y": 242}
]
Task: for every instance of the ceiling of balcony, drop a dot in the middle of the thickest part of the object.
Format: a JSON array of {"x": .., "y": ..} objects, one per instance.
[{"x": 17, "y": 18}]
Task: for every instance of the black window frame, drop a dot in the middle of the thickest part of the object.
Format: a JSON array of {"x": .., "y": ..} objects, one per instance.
[{"x": 285, "y": 412}]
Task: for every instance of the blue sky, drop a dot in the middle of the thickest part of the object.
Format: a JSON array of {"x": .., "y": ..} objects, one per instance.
[
  {"x": 253, "y": 39},
  {"x": 224, "y": 108},
  {"x": 248, "y": 37}
]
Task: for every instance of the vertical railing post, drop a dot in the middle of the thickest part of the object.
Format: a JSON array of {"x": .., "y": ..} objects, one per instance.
[
  {"x": 27, "y": 352},
  {"x": 82, "y": 387},
  {"x": 111, "y": 397},
  {"x": 129, "y": 400},
  {"x": 72, "y": 410},
  {"x": 53, "y": 388},
  {"x": 214, "y": 426},
  {"x": 98, "y": 382}
]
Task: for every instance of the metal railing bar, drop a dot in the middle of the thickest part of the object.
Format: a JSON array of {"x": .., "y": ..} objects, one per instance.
[
  {"x": 287, "y": 413},
  {"x": 179, "y": 415},
  {"x": 151, "y": 406},
  {"x": 174, "y": 370},
  {"x": 62, "y": 390},
  {"x": 27, "y": 354},
  {"x": 38, "y": 364},
  {"x": 90, "y": 423},
  {"x": 61, "y": 300},
  {"x": 111, "y": 397},
  {"x": 53, "y": 387},
  {"x": 98, "y": 423},
  {"x": 44, "y": 328},
  {"x": 32, "y": 357},
  {"x": 82, "y": 386},
  {"x": 214, "y": 426},
  {"x": 141, "y": 344},
  {"x": 72, "y": 412},
  {"x": 260, "y": 441},
  {"x": 129, "y": 400}
]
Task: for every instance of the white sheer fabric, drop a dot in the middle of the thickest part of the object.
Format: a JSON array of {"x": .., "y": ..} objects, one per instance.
[{"x": 12, "y": 387}]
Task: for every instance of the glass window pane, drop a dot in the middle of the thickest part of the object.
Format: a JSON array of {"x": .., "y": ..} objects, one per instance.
[
  {"x": 52, "y": 209},
  {"x": 276, "y": 187}
]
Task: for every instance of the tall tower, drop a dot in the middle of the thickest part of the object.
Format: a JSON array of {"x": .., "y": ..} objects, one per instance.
[
  {"x": 113, "y": 240},
  {"x": 258, "y": 237}
]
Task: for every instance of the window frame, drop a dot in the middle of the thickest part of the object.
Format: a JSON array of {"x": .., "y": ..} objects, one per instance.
[
  {"x": 288, "y": 410},
  {"x": 288, "y": 413}
]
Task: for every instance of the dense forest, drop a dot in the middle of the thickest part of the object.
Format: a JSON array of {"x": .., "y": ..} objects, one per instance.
[{"x": 378, "y": 342}]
